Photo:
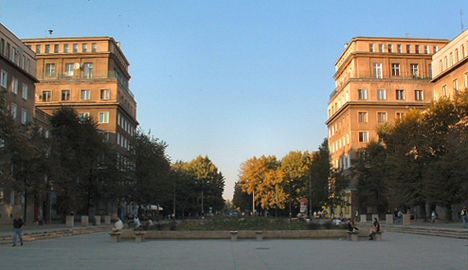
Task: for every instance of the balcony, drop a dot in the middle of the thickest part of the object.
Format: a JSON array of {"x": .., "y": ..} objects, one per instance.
[{"x": 80, "y": 77}]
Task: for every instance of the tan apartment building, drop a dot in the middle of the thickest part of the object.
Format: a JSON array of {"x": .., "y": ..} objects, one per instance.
[
  {"x": 91, "y": 75},
  {"x": 377, "y": 81},
  {"x": 450, "y": 64},
  {"x": 17, "y": 79}
]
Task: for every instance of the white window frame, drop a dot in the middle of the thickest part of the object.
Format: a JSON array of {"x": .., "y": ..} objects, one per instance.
[
  {"x": 24, "y": 116},
  {"x": 105, "y": 94},
  {"x": 363, "y": 117},
  {"x": 51, "y": 71},
  {"x": 378, "y": 70},
  {"x": 4, "y": 78},
  {"x": 64, "y": 91},
  {"x": 46, "y": 96},
  {"x": 362, "y": 94},
  {"x": 363, "y": 136},
  {"x": 104, "y": 117},
  {"x": 14, "y": 85},
  {"x": 85, "y": 94},
  {"x": 14, "y": 110},
  {"x": 383, "y": 119},
  {"x": 414, "y": 68},
  {"x": 418, "y": 95},
  {"x": 396, "y": 69},
  {"x": 69, "y": 69},
  {"x": 25, "y": 92},
  {"x": 399, "y": 96},
  {"x": 382, "y": 94}
]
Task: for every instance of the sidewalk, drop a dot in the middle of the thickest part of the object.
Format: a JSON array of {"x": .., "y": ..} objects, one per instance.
[
  {"x": 437, "y": 225},
  {"x": 7, "y": 230}
]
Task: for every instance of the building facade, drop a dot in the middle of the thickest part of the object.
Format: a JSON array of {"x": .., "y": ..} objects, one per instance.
[
  {"x": 377, "y": 81},
  {"x": 450, "y": 64},
  {"x": 90, "y": 75},
  {"x": 17, "y": 79}
]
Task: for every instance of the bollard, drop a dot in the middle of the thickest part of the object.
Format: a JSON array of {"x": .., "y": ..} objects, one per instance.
[
  {"x": 84, "y": 220},
  {"x": 97, "y": 220},
  {"x": 389, "y": 219},
  {"x": 363, "y": 219},
  {"x": 70, "y": 221}
]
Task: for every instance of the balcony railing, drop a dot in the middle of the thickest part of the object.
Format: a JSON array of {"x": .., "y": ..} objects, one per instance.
[{"x": 79, "y": 77}]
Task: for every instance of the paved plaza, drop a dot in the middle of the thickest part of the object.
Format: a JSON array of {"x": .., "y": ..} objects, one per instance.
[{"x": 396, "y": 251}]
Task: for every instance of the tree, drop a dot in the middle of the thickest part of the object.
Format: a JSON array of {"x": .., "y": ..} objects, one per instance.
[
  {"x": 151, "y": 170},
  {"x": 371, "y": 171},
  {"x": 261, "y": 178},
  {"x": 241, "y": 199},
  {"x": 320, "y": 171},
  {"x": 209, "y": 182},
  {"x": 295, "y": 167}
]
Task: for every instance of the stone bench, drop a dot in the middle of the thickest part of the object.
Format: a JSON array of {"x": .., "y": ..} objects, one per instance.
[
  {"x": 115, "y": 235},
  {"x": 259, "y": 235},
  {"x": 139, "y": 236},
  {"x": 353, "y": 236},
  {"x": 233, "y": 235}
]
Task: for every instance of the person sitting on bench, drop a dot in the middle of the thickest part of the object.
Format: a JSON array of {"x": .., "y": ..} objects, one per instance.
[{"x": 374, "y": 229}]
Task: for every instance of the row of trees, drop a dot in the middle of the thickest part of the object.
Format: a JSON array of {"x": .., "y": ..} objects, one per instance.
[
  {"x": 420, "y": 162},
  {"x": 279, "y": 185},
  {"x": 86, "y": 171}
]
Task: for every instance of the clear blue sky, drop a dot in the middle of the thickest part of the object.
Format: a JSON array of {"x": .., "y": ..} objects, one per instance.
[{"x": 233, "y": 79}]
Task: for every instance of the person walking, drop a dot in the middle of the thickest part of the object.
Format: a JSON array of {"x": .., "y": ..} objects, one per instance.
[
  {"x": 433, "y": 216},
  {"x": 374, "y": 229},
  {"x": 464, "y": 216},
  {"x": 18, "y": 230}
]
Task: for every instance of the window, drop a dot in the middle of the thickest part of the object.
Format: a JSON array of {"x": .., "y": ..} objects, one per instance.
[
  {"x": 24, "y": 117},
  {"x": 399, "y": 48},
  {"x": 105, "y": 94},
  {"x": 378, "y": 70},
  {"x": 84, "y": 47},
  {"x": 456, "y": 55},
  {"x": 451, "y": 59},
  {"x": 455, "y": 85},
  {"x": 84, "y": 116},
  {"x": 362, "y": 117},
  {"x": 14, "y": 86},
  {"x": 65, "y": 95},
  {"x": 445, "y": 62},
  {"x": 436, "y": 49},
  {"x": 38, "y": 48},
  {"x": 414, "y": 70},
  {"x": 2, "y": 46},
  {"x": 93, "y": 47},
  {"x": 69, "y": 70},
  {"x": 400, "y": 94},
  {"x": 416, "y": 49},
  {"x": 85, "y": 94},
  {"x": 371, "y": 47},
  {"x": 408, "y": 48},
  {"x": 56, "y": 48},
  {"x": 75, "y": 47},
  {"x": 381, "y": 117},
  {"x": 362, "y": 94},
  {"x": 47, "y": 48},
  {"x": 46, "y": 96},
  {"x": 445, "y": 92},
  {"x": 462, "y": 51},
  {"x": 418, "y": 95},
  {"x": 399, "y": 115},
  {"x": 13, "y": 110},
  {"x": 381, "y": 48},
  {"x": 66, "y": 48},
  {"x": 426, "y": 49},
  {"x": 390, "y": 48},
  {"x": 466, "y": 80},
  {"x": 3, "y": 78},
  {"x": 25, "y": 92},
  {"x": 363, "y": 136},
  {"x": 395, "y": 69},
  {"x": 381, "y": 94},
  {"x": 50, "y": 70},
  {"x": 104, "y": 117},
  {"x": 88, "y": 70}
]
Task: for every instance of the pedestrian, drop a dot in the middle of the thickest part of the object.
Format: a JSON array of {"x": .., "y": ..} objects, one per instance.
[
  {"x": 351, "y": 227},
  {"x": 136, "y": 222},
  {"x": 118, "y": 225},
  {"x": 464, "y": 216},
  {"x": 18, "y": 230},
  {"x": 374, "y": 229},
  {"x": 400, "y": 216},
  {"x": 433, "y": 216}
]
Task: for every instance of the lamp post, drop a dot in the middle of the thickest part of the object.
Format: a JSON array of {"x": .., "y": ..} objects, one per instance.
[{"x": 253, "y": 203}]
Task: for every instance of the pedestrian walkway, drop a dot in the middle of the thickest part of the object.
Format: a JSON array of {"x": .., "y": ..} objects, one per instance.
[{"x": 97, "y": 251}]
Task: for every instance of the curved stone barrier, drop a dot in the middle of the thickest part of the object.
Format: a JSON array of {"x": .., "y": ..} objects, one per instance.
[{"x": 286, "y": 234}]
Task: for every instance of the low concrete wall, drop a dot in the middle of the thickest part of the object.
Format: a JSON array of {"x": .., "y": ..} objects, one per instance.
[{"x": 291, "y": 234}]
